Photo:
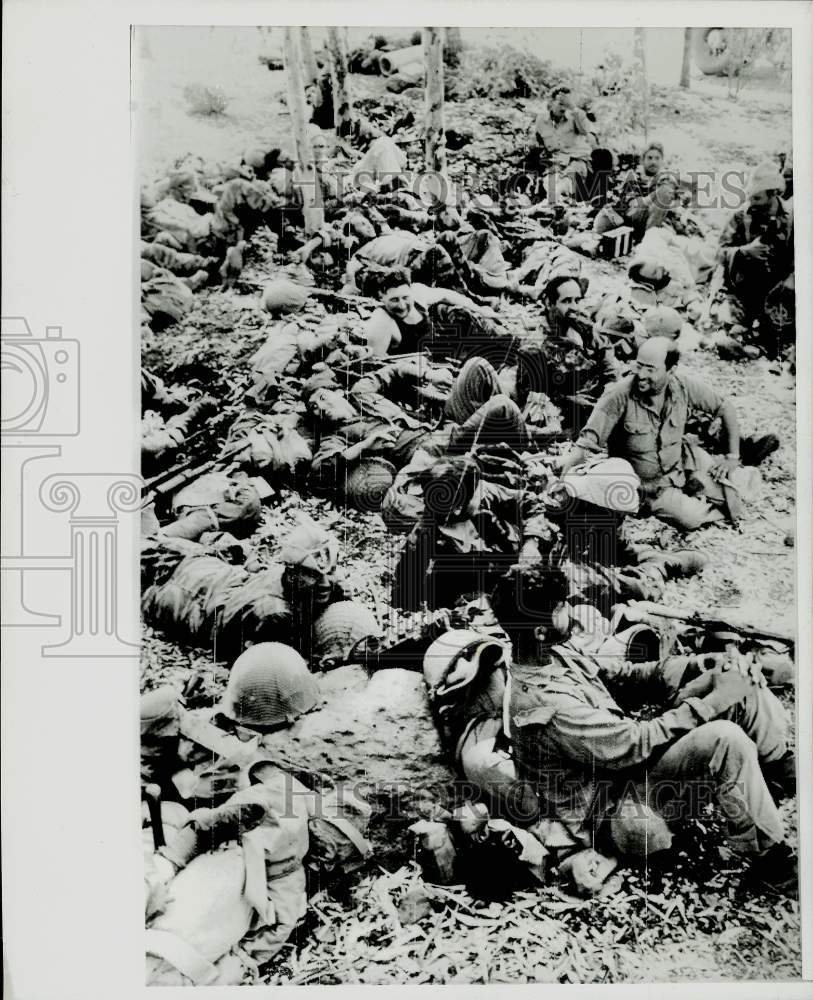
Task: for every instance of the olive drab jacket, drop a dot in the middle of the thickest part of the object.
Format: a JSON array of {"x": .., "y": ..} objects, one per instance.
[
  {"x": 572, "y": 741},
  {"x": 631, "y": 427}
]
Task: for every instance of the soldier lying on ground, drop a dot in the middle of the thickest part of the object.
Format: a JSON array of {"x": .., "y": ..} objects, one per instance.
[
  {"x": 248, "y": 899},
  {"x": 207, "y": 601}
]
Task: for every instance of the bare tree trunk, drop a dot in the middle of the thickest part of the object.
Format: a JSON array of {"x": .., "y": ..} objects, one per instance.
[
  {"x": 306, "y": 180},
  {"x": 687, "y": 58},
  {"x": 308, "y": 61},
  {"x": 342, "y": 100},
  {"x": 453, "y": 45},
  {"x": 639, "y": 49},
  {"x": 434, "y": 133}
]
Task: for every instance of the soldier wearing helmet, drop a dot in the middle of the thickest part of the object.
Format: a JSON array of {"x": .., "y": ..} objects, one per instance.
[
  {"x": 310, "y": 582},
  {"x": 204, "y": 755},
  {"x": 465, "y": 673}
]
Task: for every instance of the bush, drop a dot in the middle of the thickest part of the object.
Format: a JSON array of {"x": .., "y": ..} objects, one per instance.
[
  {"x": 745, "y": 46},
  {"x": 502, "y": 72},
  {"x": 616, "y": 100},
  {"x": 204, "y": 100}
]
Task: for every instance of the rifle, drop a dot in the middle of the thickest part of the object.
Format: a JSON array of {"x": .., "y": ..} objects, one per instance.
[
  {"x": 176, "y": 477},
  {"x": 404, "y": 648},
  {"x": 709, "y": 623}
]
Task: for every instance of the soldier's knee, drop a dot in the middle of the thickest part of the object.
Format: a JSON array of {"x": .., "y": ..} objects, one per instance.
[
  {"x": 722, "y": 736},
  {"x": 684, "y": 513}
]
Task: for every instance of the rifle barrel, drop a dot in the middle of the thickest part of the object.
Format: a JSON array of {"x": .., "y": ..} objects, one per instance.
[{"x": 710, "y": 623}]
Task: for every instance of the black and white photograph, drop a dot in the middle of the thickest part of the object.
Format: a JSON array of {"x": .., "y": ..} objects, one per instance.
[
  {"x": 452, "y": 613},
  {"x": 468, "y": 438}
]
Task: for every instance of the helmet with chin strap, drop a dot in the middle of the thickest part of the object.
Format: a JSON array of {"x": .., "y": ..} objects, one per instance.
[{"x": 455, "y": 658}]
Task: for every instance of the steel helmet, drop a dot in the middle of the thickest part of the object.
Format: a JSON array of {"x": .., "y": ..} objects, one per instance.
[
  {"x": 367, "y": 483},
  {"x": 456, "y": 657},
  {"x": 269, "y": 684},
  {"x": 281, "y": 295},
  {"x": 340, "y": 629}
]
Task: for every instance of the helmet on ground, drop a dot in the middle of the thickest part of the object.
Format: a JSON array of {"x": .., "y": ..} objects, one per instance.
[
  {"x": 269, "y": 684},
  {"x": 638, "y": 830},
  {"x": 367, "y": 483},
  {"x": 340, "y": 629},
  {"x": 456, "y": 657},
  {"x": 281, "y": 295},
  {"x": 255, "y": 158}
]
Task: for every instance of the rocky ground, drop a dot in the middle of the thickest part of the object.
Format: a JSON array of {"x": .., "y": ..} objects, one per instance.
[{"x": 686, "y": 925}]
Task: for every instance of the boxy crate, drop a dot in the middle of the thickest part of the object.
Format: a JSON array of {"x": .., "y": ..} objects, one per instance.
[{"x": 615, "y": 243}]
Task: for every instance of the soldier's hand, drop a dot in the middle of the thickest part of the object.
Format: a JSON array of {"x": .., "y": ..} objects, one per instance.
[
  {"x": 747, "y": 667},
  {"x": 756, "y": 250},
  {"x": 632, "y": 612},
  {"x": 728, "y": 687},
  {"x": 382, "y": 435},
  {"x": 721, "y": 469},
  {"x": 440, "y": 376}
]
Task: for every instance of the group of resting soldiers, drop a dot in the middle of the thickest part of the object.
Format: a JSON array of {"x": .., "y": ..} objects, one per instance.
[{"x": 508, "y": 459}]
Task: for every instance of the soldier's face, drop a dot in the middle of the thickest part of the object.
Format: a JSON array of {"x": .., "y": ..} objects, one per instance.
[
  {"x": 398, "y": 301},
  {"x": 652, "y": 162},
  {"x": 560, "y": 104},
  {"x": 559, "y": 628},
  {"x": 650, "y": 370},
  {"x": 764, "y": 202},
  {"x": 362, "y": 227},
  {"x": 568, "y": 296}
]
